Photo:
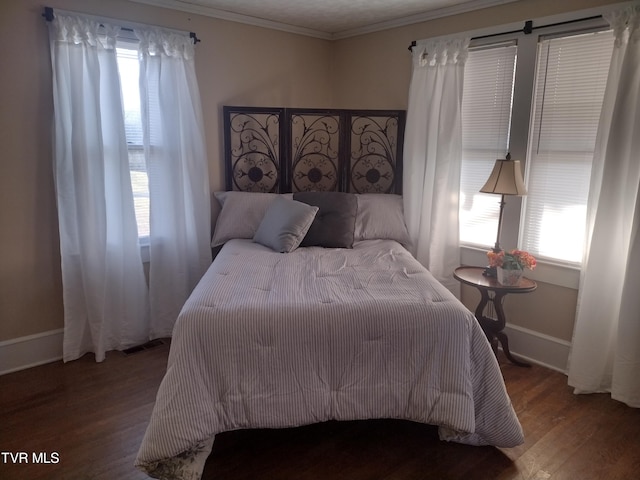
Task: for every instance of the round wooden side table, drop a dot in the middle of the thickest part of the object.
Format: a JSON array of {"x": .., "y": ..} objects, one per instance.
[{"x": 494, "y": 292}]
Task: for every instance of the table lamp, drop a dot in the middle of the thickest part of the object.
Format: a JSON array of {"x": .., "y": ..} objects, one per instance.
[{"x": 505, "y": 179}]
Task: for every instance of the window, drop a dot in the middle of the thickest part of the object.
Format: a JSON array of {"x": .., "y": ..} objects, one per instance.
[
  {"x": 129, "y": 69},
  {"x": 570, "y": 72},
  {"x": 571, "y": 79},
  {"x": 486, "y": 117}
]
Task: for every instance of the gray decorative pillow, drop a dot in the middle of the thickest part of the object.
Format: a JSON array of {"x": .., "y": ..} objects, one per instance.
[
  {"x": 285, "y": 224},
  {"x": 334, "y": 224},
  {"x": 240, "y": 214},
  {"x": 381, "y": 216}
]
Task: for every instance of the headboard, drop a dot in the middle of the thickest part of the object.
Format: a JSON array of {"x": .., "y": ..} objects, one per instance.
[{"x": 284, "y": 150}]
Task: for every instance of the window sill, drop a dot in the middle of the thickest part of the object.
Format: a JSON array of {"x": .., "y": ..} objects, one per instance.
[{"x": 546, "y": 272}]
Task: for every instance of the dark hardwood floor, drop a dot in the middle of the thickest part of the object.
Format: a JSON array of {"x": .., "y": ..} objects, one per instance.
[{"x": 93, "y": 416}]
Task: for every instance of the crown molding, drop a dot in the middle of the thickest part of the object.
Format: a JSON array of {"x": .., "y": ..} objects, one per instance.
[
  {"x": 422, "y": 17},
  {"x": 235, "y": 17},
  {"x": 189, "y": 7}
]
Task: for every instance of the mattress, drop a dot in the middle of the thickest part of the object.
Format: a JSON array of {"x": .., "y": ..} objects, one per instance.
[{"x": 272, "y": 340}]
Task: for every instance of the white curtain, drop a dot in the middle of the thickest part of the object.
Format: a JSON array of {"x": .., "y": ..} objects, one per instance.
[
  {"x": 433, "y": 156},
  {"x": 605, "y": 353},
  {"x": 104, "y": 289},
  {"x": 176, "y": 159}
]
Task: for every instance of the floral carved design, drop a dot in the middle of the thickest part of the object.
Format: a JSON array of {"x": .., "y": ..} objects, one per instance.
[
  {"x": 314, "y": 159},
  {"x": 255, "y": 155},
  {"x": 274, "y": 149},
  {"x": 373, "y": 154}
]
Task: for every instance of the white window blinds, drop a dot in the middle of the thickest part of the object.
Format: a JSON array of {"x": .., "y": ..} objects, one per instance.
[
  {"x": 129, "y": 70},
  {"x": 570, "y": 83},
  {"x": 486, "y": 116}
]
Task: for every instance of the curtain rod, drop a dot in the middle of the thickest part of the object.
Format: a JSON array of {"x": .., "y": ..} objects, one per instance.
[
  {"x": 48, "y": 15},
  {"x": 527, "y": 29}
]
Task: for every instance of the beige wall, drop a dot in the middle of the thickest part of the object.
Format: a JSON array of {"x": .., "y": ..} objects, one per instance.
[
  {"x": 550, "y": 309},
  {"x": 236, "y": 65}
]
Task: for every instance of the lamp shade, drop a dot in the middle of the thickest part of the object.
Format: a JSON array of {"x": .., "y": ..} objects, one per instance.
[{"x": 506, "y": 178}]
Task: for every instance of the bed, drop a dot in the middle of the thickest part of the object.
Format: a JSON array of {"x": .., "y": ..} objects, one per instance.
[{"x": 314, "y": 310}]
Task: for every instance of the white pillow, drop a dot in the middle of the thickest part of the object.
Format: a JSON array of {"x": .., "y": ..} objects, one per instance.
[
  {"x": 241, "y": 214},
  {"x": 381, "y": 216},
  {"x": 285, "y": 224}
]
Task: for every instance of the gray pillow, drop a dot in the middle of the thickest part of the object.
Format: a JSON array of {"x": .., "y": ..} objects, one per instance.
[
  {"x": 334, "y": 224},
  {"x": 285, "y": 224},
  {"x": 241, "y": 214},
  {"x": 381, "y": 216}
]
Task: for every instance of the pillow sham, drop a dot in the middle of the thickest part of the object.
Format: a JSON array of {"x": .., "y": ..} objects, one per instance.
[
  {"x": 334, "y": 224},
  {"x": 285, "y": 224},
  {"x": 240, "y": 214},
  {"x": 381, "y": 216}
]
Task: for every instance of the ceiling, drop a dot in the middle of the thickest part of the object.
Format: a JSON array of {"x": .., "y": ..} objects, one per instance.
[{"x": 329, "y": 19}]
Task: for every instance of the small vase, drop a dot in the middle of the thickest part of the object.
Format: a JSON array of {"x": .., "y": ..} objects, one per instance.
[{"x": 509, "y": 277}]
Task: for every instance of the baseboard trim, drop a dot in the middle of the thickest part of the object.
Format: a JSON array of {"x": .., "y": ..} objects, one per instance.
[
  {"x": 538, "y": 348},
  {"x": 46, "y": 347},
  {"x": 30, "y": 351}
]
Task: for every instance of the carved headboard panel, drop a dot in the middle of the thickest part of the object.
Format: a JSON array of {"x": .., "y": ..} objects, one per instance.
[{"x": 293, "y": 149}]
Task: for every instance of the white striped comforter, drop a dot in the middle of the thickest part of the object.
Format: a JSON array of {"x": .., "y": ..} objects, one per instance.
[{"x": 279, "y": 340}]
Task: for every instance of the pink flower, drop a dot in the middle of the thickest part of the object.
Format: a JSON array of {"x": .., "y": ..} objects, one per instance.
[
  {"x": 515, "y": 259},
  {"x": 495, "y": 259}
]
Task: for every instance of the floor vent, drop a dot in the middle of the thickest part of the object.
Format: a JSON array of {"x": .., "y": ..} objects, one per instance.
[{"x": 143, "y": 347}]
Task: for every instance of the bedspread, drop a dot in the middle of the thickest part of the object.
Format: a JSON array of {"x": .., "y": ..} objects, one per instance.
[{"x": 270, "y": 340}]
